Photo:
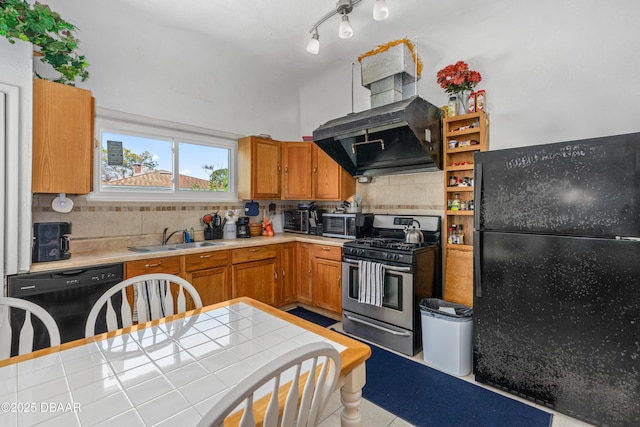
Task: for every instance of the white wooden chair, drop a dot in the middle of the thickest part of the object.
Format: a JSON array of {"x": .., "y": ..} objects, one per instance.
[
  {"x": 152, "y": 300},
  {"x": 302, "y": 410},
  {"x": 26, "y": 332}
]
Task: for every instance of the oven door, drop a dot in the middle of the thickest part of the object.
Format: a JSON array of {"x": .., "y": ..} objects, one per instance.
[{"x": 397, "y": 303}]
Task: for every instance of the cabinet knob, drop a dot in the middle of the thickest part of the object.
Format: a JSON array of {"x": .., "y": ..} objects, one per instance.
[
  {"x": 315, "y": 170},
  {"x": 275, "y": 275},
  {"x": 340, "y": 281},
  {"x": 282, "y": 273},
  {"x": 286, "y": 168}
]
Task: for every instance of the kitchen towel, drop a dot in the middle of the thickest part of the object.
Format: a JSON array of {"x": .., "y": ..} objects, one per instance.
[{"x": 370, "y": 283}]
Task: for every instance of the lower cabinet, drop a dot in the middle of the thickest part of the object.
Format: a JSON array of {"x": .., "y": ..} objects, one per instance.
[
  {"x": 168, "y": 265},
  {"x": 208, "y": 272},
  {"x": 254, "y": 273},
  {"x": 327, "y": 277},
  {"x": 304, "y": 288},
  {"x": 287, "y": 261},
  {"x": 275, "y": 274},
  {"x": 459, "y": 276}
]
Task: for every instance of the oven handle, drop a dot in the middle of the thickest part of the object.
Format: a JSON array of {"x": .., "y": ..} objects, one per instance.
[
  {"x": 382, "y": 328},
  {"x": 386, "y": 267}
]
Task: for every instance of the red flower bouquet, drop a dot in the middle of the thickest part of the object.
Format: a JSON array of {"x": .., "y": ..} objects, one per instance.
[{"x": 458, "y": 77}]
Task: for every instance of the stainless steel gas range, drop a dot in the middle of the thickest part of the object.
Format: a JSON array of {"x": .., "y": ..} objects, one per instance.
[{"x": 383, "y": 307}]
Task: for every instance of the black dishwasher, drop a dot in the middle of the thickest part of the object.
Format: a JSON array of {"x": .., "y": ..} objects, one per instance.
[{"x": 67, "y": 295}]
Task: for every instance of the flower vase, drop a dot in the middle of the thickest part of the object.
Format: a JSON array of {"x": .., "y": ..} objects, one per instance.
[{"x": 462, "y": 102}]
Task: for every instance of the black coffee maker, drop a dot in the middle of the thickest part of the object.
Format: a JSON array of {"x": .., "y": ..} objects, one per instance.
[
  {"x": 50, "y": 241},
  {"x": 242, "y": 227}
]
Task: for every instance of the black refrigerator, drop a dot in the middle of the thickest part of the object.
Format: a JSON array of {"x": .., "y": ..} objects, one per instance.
[{"x": 557, "y": 276}]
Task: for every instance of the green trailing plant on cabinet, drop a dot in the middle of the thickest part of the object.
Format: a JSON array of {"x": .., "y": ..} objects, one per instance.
[{"x": 51, "y": 36}]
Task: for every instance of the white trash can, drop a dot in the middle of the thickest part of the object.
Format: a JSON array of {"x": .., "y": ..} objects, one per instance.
[{"x": 447, "y": 335}]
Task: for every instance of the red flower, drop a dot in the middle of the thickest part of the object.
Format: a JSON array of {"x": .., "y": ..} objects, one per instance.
[{"x": 457, "y": 77}]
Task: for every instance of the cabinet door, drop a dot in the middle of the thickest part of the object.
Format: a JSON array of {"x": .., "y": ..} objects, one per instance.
[
  {"x": 296, "y": 176},
  {"x": 304, "y": 273},
  {"x": 212, "y": 284},
  {"x": 256, "y": 279},
  {"x": 327, "y": 279},
  {"x": 287, "y": 261},
  {"x": 258, "y": 168},
  {"x": 330, "y": 181},
  {"x": 62, "y": 138},
  {"x": 458, "y": 281}
]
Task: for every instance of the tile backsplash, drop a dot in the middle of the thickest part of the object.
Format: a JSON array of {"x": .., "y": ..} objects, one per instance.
[{"x": 103, "y": 225}]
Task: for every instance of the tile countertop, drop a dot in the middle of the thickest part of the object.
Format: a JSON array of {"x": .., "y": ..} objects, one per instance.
[{"x": 124, "y": 255}]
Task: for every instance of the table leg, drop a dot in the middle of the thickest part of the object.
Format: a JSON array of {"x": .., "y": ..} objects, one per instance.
[{"x": 351, "y": 396}]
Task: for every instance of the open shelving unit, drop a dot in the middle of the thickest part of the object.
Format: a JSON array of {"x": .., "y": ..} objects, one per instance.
[{"x": 459, "y": 133}]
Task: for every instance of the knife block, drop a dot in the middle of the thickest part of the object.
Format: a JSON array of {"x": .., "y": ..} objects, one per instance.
[{"x": 213, "y": 233}]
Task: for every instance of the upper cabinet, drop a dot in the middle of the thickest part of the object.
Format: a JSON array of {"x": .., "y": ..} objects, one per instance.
[
  {"x": 330, "y": 181},
  {"x": 296, "y": 163},
  {"x": 300, "y": 169},
  {"x": 258, "y": 168},
  {"x": 62, "y": 138}
]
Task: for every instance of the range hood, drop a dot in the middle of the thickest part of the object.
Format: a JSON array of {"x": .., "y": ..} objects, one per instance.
[{"x": 401, "y": 137}]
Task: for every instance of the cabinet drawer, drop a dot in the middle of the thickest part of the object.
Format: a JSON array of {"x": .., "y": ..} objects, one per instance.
[
  {"x": 169, "y": 265},
  {"x": 327, "y": 252},
  {"x": 203, "y": 260},
  {"x": 253, "y": 253}
]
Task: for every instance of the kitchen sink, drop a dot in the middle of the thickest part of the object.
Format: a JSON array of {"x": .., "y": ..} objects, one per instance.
[{"x": 172, "y": 247}]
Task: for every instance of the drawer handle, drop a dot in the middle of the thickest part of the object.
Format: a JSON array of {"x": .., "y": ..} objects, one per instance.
[
  {"x": 254, "y": 250},
  {"x": 324, "y": 248},
  {"x": 205, "y": 256},
  {"x": 153, "y": 265}
]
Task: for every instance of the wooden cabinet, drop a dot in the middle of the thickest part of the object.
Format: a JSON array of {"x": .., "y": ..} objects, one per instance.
[
  {"x": 304, "y": 264},
  {"x": 460, "y": 134},
  {"x": 287, "y": 272},
  {"x": 254, "y": 273},
  {"x": 62, "y": 138},
  {"x": 296, "y": 167},
  {"x": 269, "y": 169},
  {"x": 330, "y": 181},
  {"x": 327, "y": 180},
  {"x": 327, "y": 277},
  {"x": 169, "y": 265},
  {"x": 259, "y": 168},
  {"x": 208, "y": 272}
]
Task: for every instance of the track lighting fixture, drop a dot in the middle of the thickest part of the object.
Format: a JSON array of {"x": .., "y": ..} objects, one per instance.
[
  {"x": 314, "y": 44},
  {"x": 345, "y": 30},
  {"x": 380, "y": 10}
]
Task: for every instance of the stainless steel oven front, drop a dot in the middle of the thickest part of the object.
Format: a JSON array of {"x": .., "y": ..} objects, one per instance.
[{"x": 392, "y": 324}]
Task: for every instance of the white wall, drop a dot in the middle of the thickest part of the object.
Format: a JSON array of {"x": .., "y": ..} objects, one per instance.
[
  {"x": 553, "y": 71},
  {"x": 174, "y": 75}
]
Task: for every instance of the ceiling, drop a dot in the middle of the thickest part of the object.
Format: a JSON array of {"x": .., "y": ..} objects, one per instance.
[{"x": 276, "y": 32}]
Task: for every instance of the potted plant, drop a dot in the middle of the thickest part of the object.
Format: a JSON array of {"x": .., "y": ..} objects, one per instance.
[{"x": 47, "y": 31}]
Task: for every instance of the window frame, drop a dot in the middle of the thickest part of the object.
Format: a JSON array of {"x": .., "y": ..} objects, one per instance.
[{"x": 176, "y": 133}]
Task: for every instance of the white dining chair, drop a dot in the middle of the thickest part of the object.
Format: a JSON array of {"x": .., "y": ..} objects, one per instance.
[
  {"x": 152, "y": 299},
  {"x": 305, "y": 399},
  {"x": 25, "y": 342}
]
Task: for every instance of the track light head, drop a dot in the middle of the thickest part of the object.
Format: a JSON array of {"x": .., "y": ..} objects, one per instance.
[{"x": 314, "y": 44}]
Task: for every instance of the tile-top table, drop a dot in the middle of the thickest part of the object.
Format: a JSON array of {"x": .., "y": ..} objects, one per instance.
[{"x": 168, "y": 372}]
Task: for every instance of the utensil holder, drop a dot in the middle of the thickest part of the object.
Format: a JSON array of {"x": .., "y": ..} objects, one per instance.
[{"x": 212, "y": 233}]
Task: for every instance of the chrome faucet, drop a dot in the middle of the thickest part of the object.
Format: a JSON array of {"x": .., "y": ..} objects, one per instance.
[{"x": 166, "y": 238}]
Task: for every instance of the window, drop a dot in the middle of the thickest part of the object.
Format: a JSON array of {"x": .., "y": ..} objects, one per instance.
[{"x": 155, "y": 162}]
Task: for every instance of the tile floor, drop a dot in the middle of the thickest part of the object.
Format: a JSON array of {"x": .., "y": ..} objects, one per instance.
[{"x": 375, "y": 416}]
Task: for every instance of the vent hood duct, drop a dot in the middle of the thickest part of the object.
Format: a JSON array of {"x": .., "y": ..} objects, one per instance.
[{"x": 401, "y": 137}]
